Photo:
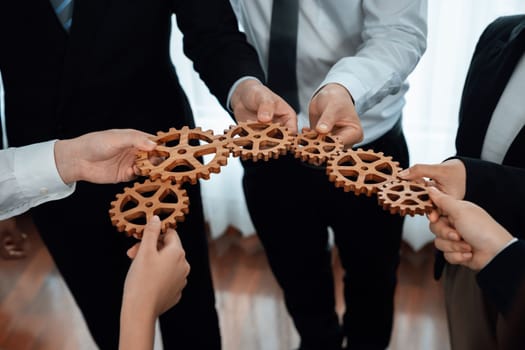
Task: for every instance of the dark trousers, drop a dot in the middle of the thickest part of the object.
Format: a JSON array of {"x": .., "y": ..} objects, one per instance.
[
  {"x": 292, "y": 205},
  {"x": 91, "y": 256}
]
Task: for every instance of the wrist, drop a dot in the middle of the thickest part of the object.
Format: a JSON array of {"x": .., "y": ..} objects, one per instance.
[{"x": 64, "y": 162}]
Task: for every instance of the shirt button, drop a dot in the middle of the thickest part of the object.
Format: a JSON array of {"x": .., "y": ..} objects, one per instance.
[{"x": 44, "y": 191}]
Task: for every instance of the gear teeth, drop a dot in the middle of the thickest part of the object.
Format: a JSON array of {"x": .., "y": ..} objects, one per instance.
[{"x": 405, "y": 198}]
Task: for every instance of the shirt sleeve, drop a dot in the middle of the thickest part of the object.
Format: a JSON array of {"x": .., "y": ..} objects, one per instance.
[
  {"x": 29, "y": 177},
  {"x": 393, "y": 41},
  {"x": 503, "y": 277}
]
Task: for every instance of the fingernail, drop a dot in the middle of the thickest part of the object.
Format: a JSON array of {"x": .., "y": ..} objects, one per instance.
[
  {"x": 151, "y": 142},
  {"x": 155, "y": 218},
  {"x": 404, "y": 173},
  {"x": 266, "y": 115},
  {"x": 322, "y": 128}
]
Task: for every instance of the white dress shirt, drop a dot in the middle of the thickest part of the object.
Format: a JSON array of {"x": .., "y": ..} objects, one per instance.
[
  {"x": 29, "y": 177},
  {"x": 368, "y": 46},
  {"x": 508, "y": 117}
]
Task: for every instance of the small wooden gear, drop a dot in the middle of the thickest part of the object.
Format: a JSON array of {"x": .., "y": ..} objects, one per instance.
[
  {"x": 180, "y": 151},
  {"x": 316, "y": 148},
  {"x": 131, "y": 210},
  {"x": 361, "y": 171},
  {"x": 405, "y": 197},
  {"x": 254, "y": 140}
]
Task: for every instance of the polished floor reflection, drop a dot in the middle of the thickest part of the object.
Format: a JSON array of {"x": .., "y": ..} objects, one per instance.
[{"x": 37, "y": 312}]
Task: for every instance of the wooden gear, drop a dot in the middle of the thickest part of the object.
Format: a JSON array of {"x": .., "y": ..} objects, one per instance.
[
  {"x": 405, "y": 197},
  {"x": 361, "y": 171},
  {"x": 254, "y": 140},
  {"x": 316, "y": 148},
  {"x": 131, "y": 210}
]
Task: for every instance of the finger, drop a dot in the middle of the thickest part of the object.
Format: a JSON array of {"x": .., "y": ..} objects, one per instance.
[
  {"x": 458, "y": 258},
  {"x": 443, "y": 229},
  {"x": 132, "y": 252},
  {"x": 150, "y": 236},
  {"x": 417, "y": 171},
  {"x": 452, "y": 246},
  {"x": 172, "y": 239},
  {"x": 265, "y": 111},
  {"x": 135, "y": 138},
  {"x": 444, "y": 202},
  {"x": 433, "y": 216}
]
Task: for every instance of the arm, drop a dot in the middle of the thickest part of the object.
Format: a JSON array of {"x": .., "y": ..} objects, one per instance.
[
  {"x": 497, "y": 188},
  {"x": 393, "y": 41},
  {"x": 46, "y": 171},
  {"x": 223, "y": 58},
  {"x": 153, "y": 285},
  {"x": 469, "y": 236}
]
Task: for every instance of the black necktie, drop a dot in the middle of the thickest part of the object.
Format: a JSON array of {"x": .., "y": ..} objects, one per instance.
[{"x": 282, "y": 53}]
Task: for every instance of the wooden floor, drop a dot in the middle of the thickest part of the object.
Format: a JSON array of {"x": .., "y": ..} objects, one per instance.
[{"x": 38, "y": 313}]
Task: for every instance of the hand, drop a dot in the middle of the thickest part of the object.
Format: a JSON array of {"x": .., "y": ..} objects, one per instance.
[
  {"x": 449, "y": 177},
  {"x": 252, "y": 101},
  {"x": 101, "y": 157},
  {"x": 159, "y": 269},
  {"x": 153, "y": 284},
  {"x": 332, "y": 110},
  {"x": 465, "y": 232}
]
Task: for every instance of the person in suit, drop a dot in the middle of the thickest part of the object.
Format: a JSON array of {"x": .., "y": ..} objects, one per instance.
[
  {"x": 490, "y": 134},
  {"x": 349, "y": 68},
  {"x": 102, "y": 157},
  {"x": 106, "y": 67},
  {"x": 469, "y": 236}
]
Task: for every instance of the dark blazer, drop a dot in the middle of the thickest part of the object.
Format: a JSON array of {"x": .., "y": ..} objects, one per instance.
[
  {"x": 114, "y": 70},
  {"x": 497, "y": 52}
]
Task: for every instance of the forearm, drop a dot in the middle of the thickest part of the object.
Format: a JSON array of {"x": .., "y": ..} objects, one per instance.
[
  {"x": 503, "y": 277},
  {"x": 137, "y": 329},
  {"x": 394, "y": 40},
  {"x": 29, "y": 178}
]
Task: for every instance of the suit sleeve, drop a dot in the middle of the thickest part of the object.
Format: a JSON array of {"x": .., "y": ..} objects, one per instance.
[
  {"x": 499, "y": 190},
  {"x": 212, "y": 40},
  {"x": 502, "y": 279}
]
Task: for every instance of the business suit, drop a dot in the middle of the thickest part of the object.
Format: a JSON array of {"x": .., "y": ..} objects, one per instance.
[
  {"x": 475, "y": 322},
  {"x": 113, "y": 70}
]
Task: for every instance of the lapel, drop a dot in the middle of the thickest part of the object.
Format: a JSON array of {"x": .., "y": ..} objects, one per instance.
[
  {"x": 490, "y": 70},
  {"x": 88, "y": 17}
]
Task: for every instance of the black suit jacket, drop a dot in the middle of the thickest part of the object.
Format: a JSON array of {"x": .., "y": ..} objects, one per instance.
[
  {"x": 114, "y": 68},
  {"x": 497, "y": 52}
]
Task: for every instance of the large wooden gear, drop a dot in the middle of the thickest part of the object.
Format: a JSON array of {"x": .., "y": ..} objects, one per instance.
[
  {"x": 131, "y": 210},
  {"x": 178, "y": 159},
  {"x": 360, "y": 171},
  {"x": 405, "y": 198},
  {"x": 254, "y": 140},
  {"x": 183, "y": 152},
  {"x": 315, "y": 148}
]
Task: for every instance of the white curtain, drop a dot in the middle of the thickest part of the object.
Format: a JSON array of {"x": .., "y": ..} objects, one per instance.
[{"x": 430, "y": 115}]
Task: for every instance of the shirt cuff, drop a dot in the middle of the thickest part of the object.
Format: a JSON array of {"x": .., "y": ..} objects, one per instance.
[
  {"x": 37, "y": 172},
  {"x": 232, "y": 89}
]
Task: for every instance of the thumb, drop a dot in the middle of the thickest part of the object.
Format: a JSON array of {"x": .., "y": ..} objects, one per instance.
[
  {"x": 443, "y": 201},
  {"x": 150, "y": 237},
  {"x": 265, "y": 111},
  {"x": 419, "y": 171}
]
